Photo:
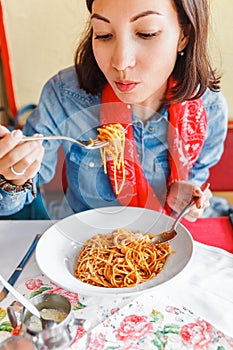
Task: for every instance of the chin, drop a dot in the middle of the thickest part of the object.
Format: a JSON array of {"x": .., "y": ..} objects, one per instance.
[{"x": 128, "y": 98}]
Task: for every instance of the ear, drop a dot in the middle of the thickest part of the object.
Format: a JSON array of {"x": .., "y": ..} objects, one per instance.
[{"x": 184, "y": 38}]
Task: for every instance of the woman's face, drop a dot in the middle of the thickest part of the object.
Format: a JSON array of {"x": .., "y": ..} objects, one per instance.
[{"x": 135, "y": 44}]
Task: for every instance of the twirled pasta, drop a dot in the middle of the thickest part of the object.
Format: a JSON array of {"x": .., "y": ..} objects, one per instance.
[
  {"x": 115, "y": 135},
  {"x": 120, "y": 259}
]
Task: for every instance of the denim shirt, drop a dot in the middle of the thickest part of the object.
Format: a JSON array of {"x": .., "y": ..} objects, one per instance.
[{"x": 65, "y": 109}]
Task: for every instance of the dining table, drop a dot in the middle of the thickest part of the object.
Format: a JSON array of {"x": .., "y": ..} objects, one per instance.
[{"x": 193, "y": 311}]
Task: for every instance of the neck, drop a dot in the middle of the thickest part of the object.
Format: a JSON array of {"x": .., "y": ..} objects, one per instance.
[
  {"x": 146, "y": 109},
  {"x": 144, "y": 113}
]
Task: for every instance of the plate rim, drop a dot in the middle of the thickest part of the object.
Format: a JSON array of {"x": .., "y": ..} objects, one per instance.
[{"x": 95, "y": 290}]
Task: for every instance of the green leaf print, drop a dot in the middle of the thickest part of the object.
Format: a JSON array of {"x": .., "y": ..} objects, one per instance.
[
  {"x": 39, "y": 291},
  {"x": 79, "y": 306},
  {"x": 159, "y": 340},
  {"x": 6, "y": 327},
  {"x": 172, "y": 328},
  {"x": 156, "y": 317}
]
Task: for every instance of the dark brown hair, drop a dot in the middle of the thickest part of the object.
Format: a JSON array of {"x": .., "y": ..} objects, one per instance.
[{"x": 192, "y": 72}]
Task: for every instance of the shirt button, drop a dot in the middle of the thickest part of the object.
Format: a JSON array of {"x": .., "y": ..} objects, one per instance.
[
  {"x": 151, "y": 129},
  {"x": 91, "y": 164}
]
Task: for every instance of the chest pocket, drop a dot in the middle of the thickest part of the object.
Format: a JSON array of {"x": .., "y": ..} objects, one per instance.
[{"x": 87, "y": 177}]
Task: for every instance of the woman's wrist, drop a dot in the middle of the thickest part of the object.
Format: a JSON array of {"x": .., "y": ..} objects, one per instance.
[{"x": 8, "y": 186}]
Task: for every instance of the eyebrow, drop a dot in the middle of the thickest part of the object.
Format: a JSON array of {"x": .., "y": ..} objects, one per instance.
[
  {"x": 144, "y": 14},
  {"x": 133, "y": 19},
  {"x": 95, "y": 15}
]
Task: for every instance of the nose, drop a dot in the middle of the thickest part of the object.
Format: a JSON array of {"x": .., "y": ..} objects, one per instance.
[{"x": 123, "y": 56}]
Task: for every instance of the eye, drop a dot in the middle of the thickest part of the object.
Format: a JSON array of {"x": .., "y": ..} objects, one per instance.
[
  {"x": 103, "y": 37},
  {"x": 148, "y": 35}
]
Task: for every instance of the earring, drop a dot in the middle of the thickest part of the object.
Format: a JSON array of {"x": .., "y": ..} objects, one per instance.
[{"x": 181, "y": 53}]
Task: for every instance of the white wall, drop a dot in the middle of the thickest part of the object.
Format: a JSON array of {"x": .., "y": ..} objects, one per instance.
[
  {"x": 42, "y": 37},
  {"x": 43, "y": 34}
]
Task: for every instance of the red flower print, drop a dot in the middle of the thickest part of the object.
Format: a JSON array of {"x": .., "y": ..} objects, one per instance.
[
  {"x": 79, "y": 334},
  {"x": 96, "y": 342},
  {"x": 134, "y": 327},
  {"x": 72, "y": 297},
  {"x": 198, "y": 334},
  {"x": 114, "y": 310},
  {"x": 52, "y": 283},
  {"x": 172, "y": 310},
  {"x": 33, "y": 284}
]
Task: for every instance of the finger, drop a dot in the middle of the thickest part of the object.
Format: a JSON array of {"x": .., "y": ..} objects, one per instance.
[
  {"x": 28, "y": 158},
  {"x": 25, "y": 163},
  {"x": 3, "y": 130},
  {"x": 204, "y": 200},
  {"x": 190, "y": 218},
  {"x": 208, "y": 194},
  {"x": 197, "y": 210},
  {"x": 194, "y": 214},
  {"x": 29, "y": 174},
  {"x": 202, "y": 203},
  {"x": 199, "y": 203},
  {"x": 199, "y": 191},
  {"x": 9, "y": 141},
  {"x": 29, "y": 164},
  {"x": 22, "y": 155}
]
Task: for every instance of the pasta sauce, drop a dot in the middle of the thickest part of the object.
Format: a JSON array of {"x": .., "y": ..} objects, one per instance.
[{"x": 120, "y": 259}]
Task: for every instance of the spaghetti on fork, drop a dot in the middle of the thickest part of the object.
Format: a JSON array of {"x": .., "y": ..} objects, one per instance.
[{"x": 114, "y": 134}]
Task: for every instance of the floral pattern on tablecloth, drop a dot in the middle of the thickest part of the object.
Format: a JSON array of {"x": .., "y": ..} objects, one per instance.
[
  {"x": 148, "y": 323},
  {"x": 143, "y": 323},
  {"x": 31, "y": 288}
]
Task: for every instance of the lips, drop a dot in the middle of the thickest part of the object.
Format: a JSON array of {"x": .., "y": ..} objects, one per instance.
[{"x": 125, "y": 86}]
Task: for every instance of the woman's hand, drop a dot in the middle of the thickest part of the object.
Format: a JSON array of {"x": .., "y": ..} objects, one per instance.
[
  {"x": 17, "y": 343},
  {"x": 24, "y": 157},
  {"x": 180, "y": 195}
]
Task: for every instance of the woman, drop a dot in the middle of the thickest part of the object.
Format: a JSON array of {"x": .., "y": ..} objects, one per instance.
[{"x": 142, "y": 64}]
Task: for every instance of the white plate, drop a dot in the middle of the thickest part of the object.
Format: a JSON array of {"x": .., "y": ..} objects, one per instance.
[{"x": 57, "y": 249}]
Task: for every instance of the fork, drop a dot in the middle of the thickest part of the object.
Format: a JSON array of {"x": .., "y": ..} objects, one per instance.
[
  {"x": 91, "y": 144},
  {"x": 172, "y": 233}
]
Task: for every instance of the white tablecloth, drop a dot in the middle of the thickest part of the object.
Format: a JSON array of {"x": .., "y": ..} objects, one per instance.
[{"x": 205, "y": 286}]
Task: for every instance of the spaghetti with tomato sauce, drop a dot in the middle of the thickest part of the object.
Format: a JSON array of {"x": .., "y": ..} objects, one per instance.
[
  {"x": 120, "y": 259},
  {"x": 114, "y": 134}
]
